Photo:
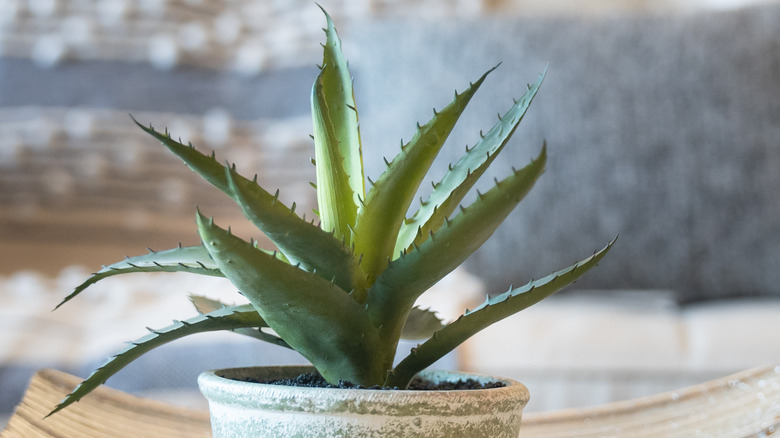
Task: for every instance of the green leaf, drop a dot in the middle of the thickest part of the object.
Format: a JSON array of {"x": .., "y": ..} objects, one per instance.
[
  {"x": 338, "y": 154},
  {"x": 493, "y": 310},
  {"x": 301, "y": 241},
  {"x": 205, "y": 166},
  {"x": 460, "y": 178},
  {"x": 314, "y": 316},
  {"x": 228, "y": 318},
  {"x": 420, "y": 324},
  {"x": 193, "y": 259},
  {"x": 280, "y": 223},
  {"x": 389, "y": 199},
  {"x": 413, "y": 273},
  {"x": 206, "y": 305}
]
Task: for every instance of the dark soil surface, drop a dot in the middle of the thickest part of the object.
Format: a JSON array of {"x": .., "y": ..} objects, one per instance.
[{"x": 314, "y": 380}]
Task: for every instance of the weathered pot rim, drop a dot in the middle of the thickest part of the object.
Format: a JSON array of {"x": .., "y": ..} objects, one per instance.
[{"x": 221, "y": 389}]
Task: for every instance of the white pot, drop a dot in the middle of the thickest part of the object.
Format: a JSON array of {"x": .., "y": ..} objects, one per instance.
[{"x": 243, "y": 409}]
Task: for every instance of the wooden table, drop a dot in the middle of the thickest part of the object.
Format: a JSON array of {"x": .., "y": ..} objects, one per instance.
[{"x": 742, "y": 405}]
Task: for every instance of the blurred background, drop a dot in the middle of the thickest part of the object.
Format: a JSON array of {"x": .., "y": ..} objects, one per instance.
[{"x": 662, "y": 120}]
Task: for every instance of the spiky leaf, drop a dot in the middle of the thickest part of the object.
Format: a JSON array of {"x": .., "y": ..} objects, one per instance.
[
  {"x": 338, "y": 153},
  {"x": 420, "y": 324},
  {"x": 285, "y": 229},
  {"x": 460, "y": 178},
  {"x": 389, "y": 199},
  {"x": 492, "y": 311},
  {"x": 205, "y": 166},
  {"x": 314, "y": 316},
  {"x": 206, "y": 305},
  {"x": 409, "y": 276},
  {"x": 193, "y": 259},
  {"x": 314, "y": 248},
  {"x": 228, "y": 318}
]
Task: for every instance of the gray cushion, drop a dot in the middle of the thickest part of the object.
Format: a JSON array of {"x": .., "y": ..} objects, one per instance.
[{"x": 663, "y": 129}]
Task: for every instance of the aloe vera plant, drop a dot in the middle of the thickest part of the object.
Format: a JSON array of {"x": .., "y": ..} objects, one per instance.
[{"x": 341, "y": 292}]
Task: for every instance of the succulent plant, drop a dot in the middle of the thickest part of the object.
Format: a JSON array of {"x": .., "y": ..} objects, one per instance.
[{"x": 341, "y": 292}]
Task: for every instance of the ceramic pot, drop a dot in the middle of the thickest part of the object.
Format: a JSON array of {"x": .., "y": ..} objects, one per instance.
[{"x": 243, "y": 409}]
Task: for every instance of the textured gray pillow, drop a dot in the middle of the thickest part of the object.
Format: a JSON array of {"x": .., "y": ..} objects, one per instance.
[{"x": 664, "y": 129}]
